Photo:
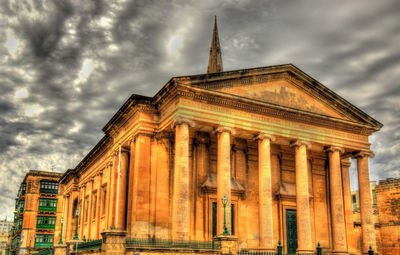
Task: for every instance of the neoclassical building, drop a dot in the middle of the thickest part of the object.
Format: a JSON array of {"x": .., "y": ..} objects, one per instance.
[{"x": 273, "y": 140}]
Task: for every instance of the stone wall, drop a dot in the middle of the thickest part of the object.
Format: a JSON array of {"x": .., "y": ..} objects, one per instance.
[{"x": 388, "y": 201}]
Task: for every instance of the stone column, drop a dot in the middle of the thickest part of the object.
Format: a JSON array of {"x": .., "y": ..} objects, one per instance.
[
  {"x": 302, "y": 198},
  {"x": 99, "y": 204},
  {"x": 337, "y": 211},
  {"x": 367, "y": 221},
  {"x": 265, "y": 191},
  {"x": 66, "y": 216},
  {"x": 223, "y": 177},
  {"x": 123, "y": 178},
  {"x": 90, "y": 209},
  {"x": 180, "y": 197},
  {"x": 82, "y": 213},
  {"x": 140, "y": 217},
  {"x": 348, "y": 209}
]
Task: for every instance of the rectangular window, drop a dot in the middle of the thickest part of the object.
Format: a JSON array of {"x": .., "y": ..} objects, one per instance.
[
  {"x": 232, "y": 219},
  {"x": 94, "y": 204},
  {"x": 104, "y": 198},
  {"x": 373, "y": 198},
  {"x": 87, "y": 209}
]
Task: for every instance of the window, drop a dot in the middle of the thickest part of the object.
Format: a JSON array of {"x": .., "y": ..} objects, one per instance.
[
  {"x": 104, "y": 198},
  {"x": 94, "y": 204},
  {"x": 87, "y": 209},
  {"x": 214, "y": 219},
  {"x": 45, "y": 222},
  {"x": 232, "y": 219},
  {"x": 47, "y": 204},
  {"x": 354, "y": 202},
  {"x": 48, "y": 187},
  {"x": 373, "y": 198}
]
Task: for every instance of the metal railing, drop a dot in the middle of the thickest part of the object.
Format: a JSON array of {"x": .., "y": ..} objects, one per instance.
[
  {"x": 279, "y": 251},
  {"x": 90, "y": 245},
  {"x": 162, "y": 243}
]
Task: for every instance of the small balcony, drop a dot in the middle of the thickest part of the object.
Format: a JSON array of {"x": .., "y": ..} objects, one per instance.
[
  {"x": 48, "y": 187},
  {"x": 47, "y": 205},
  {"x": 44, "y": 241},
  {"x": 44, "y": 222}
]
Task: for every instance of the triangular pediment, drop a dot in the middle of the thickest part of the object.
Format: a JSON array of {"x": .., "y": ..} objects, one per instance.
[{"x": 283, "y": 93}]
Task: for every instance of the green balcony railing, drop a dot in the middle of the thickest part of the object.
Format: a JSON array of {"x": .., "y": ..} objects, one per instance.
[
  {"x": 45, "y": 252},
  {"x": 44, "y": 245},
  {"x": 160, "y": 243},
  {"x": 90, "y": 245},
  {"x": 45, "y": 226},
  {"x": 49, "y": 191}
]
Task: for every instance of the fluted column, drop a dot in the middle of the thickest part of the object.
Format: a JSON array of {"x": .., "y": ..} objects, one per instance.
[
  {"x": 348, "y": 209},
  {"x": 265, "y": 191},
  {"x": 223, "y": 177},
  {"x": 367, "y": 221},
  {"x": 302, "y": 198},
  {"x": 336, "y": 192},
  {"x": 180, "y": 200}
]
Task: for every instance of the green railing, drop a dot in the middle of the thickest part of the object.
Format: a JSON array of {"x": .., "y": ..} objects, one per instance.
[
  {"x": 49, "y": 191},
  {"x": 45, "y": 252},
  {"x": 90, "y": 245},
  {"x": 162, "y": 243},
  {"x": 45, "y": 226},
  {"x": 43, "y": 245}
]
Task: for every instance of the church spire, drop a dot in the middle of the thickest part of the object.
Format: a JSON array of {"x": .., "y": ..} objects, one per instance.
[{"x": 215, "y": 60}]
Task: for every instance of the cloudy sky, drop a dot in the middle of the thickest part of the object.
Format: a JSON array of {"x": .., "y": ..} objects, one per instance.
[{"x": 67, "y": 66}]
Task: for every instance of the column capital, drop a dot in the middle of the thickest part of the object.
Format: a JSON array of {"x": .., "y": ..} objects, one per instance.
[
  {"x": 345, "y": 162},
  {"x": 333, "y": 149},
  {"x": 362, "y": 154},
  {"x": 201, "y": 139},
  {"x": 180, "y": 121},
  {"x": 222, "y": 129},
  {"x": 262, "y": 136},
  {"x": 298, "y": 143}
]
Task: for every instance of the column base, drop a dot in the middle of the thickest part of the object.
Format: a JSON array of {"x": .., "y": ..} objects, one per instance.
[
  {"x": 340, "y": 253},
  {"x": 72, "y": 244},
  {"x": 113, "y": 242},
  {"x": 305, "y": 252},
  {"x": 227, "y": 244},
  {"x": 60, "y": 249}
]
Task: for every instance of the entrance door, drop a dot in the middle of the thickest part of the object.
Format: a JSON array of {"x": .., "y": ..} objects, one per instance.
[
  {"x": 214, "y": 219},
  {"x": 291, "y": 231}
]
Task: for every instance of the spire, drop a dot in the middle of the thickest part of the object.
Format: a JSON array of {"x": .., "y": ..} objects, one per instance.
[{"x": 215, "y": 60}]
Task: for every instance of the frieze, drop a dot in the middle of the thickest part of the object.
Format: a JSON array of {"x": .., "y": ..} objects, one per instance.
[{"x": 280, "y": 122}]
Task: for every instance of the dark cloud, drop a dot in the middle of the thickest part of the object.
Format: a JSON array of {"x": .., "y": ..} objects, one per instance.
[{"x": 67, "y": 66}]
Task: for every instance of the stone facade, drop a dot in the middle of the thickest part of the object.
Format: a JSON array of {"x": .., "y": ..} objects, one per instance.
[
  {"x": 388, "y": 203},
  {"x": 271, "y": 140}
]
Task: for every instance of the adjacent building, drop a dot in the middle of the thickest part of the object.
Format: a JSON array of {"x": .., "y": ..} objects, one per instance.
[
  {"x": 388, "y": 204},
  {"x": 271, "y": 142},
  {"x": 5, "y": 227},
  {"x": 37, "y": 213}
]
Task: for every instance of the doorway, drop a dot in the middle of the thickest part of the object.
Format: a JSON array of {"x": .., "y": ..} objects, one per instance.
[{"x": 291, "y": 231}]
